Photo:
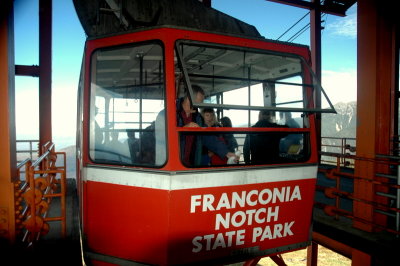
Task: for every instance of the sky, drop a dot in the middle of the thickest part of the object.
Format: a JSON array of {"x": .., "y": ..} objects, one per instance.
[{"x": 339, "y": 59}]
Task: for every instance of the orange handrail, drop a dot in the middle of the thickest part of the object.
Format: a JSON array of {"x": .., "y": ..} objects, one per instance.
[{"x": 43, "y": 181}]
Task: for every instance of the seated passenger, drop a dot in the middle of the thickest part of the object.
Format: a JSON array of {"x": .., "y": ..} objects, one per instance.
[
  {"x": 147, "y": 145},
  {"x": 132, "y": 144},
  {"x": 263, "y": 147},
  {"x": 209, "y": 157},
  {"x": 191, "y": 144},
  {"x": 291, "y": 139},
  {"x": 230, "y": 140},
  {"x": 116, "y": 150}
]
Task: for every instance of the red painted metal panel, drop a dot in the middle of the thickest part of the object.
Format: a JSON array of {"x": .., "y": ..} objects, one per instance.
[
  {"x": 191, "y": 225},
  {"x": 126, "y": 222}
]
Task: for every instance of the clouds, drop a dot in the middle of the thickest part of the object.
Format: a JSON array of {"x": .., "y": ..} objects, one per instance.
[
  {"x": 341, "y": 86},
  {"x": 344, "y": 27},
  {"x": 64, "y": 107}
]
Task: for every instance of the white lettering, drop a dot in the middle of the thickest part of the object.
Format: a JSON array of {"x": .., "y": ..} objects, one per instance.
[
  {"x": 261, "y": 196},
  {"x": 208, "y": 199},
  {"x": 209, "y": 202},
  {"x": 273, "y": 214},
  {"x": 248, "y": 198},
  {"x": 240, "y": 237},
  {"x": 272, "y": 232},
  {"x": 208, "y": 239},
  {"x": 240, "y": 200},
  {"x": 257, "y": 218},
  {"x": 277, "y": 230},
  {"x": 296, "y": 194},
  {"x": 278, "y": 194},
  {"x": 230, "y": 235},
  {"x": 242, "y": 220},
  {"x": 197, "y": 245},
  {"x": 287, "y": 194},
  {"x": 195, "y": 201},
  {"x": 257, "y": 231},
  {"x": 221, "y": 240},
  {"x": 223, "y": 202},
  {"x": 250, "y": 214},
  {"x": 219, "y": 219},
  {"x": 239, "y": 218},
  {"x": 267, "y": 233},
  {"x": 287, "y": 229}
]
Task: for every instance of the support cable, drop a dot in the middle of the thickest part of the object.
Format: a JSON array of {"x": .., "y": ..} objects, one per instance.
[
  {"x": 298, "y": 33},
  {"x": 293, "y": 26},
  {"x": 302, "y": 30}
]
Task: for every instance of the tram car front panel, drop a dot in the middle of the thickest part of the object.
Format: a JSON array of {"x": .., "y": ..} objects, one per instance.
[{"x": 140, "y": 201}]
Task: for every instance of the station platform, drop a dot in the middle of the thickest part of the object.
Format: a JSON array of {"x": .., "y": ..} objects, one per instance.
[
  {"x": 51, "y": 249},
  {"x": 381, "y": 245}
]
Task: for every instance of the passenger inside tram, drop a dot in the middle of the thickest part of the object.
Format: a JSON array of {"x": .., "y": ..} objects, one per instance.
[
  {"x": 209, "y": 157},
  {"x": 263, "y": 148},
  {"x": 114, "y": 146},
  {"x": 292, "y": 141},
  {"x": 147, "y": 145},
  {"x": 238, "y": 83},
  {"x": 191, "y": 144},
  {"x": 98, "y": 132},
  {"x": 230, "y": 140},
  {"x": 133, "y": 144}
]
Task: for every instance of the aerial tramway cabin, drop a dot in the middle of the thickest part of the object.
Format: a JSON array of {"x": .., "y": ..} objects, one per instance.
[{"x": 141, "y": 201}]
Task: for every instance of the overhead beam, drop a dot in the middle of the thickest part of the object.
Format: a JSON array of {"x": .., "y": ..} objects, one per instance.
[
  {"x": 117, "y": 10},
  {"x": 328, "y": 7},
  {"x": 22, "y": 70}
]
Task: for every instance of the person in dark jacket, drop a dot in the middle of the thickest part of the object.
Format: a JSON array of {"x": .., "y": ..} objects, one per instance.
[
  {"x": 230, "y": 140},
  {"x": 209, "y": 157},
  {"x": 263, "y": 148}
]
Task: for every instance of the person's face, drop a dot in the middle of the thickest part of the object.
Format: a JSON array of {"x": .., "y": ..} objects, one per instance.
[
  {"x": 199, "y": 98},
  {"x": 208, "y": 119}
]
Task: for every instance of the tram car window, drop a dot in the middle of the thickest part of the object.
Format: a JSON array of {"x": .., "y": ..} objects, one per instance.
[
  {"x": 262, "y": 93},
  {"x": 127, "y": 93}
]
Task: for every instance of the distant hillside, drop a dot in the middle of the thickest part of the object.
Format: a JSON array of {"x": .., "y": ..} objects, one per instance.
[
  {"x": 343, "y": 124},
  {"x": 340, "y": 125}
]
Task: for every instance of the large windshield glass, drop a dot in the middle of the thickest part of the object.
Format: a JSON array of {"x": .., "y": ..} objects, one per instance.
[
  {"x": 127, "y": 94},
  {"x": 250, "y": 79},
  {"x": 257, "y": 94}
]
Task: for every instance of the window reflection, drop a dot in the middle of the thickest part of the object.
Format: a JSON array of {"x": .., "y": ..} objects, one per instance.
[{"x": 127, "y": 94}]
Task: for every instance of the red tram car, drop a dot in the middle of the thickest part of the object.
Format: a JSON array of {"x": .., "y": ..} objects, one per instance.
[{"x": 142, "y": 201}]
